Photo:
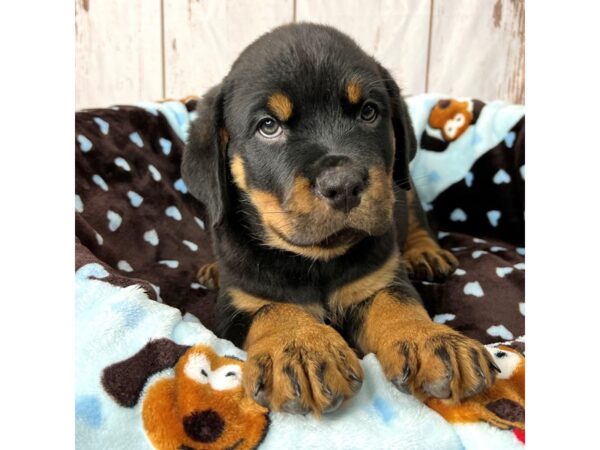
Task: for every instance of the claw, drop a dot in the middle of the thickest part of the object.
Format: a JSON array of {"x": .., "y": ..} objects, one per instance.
[
  {"x": 295, "y": 406},
  {"x": 495, "y": 367},
  {"x": 335, "y": 404}
]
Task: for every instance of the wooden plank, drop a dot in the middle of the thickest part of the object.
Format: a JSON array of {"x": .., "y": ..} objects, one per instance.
[
  {"x": 203, "y": 38},
  {"x": 118, "y": 52},
  {"x": 478, "y": 49},
  {"x": 395, "y": 32}
]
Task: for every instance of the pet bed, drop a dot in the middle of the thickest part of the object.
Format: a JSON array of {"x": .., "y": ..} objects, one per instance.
[{"x": 143, "y": 321}]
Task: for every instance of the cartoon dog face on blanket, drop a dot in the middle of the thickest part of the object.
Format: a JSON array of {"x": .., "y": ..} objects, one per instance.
[
  {"x": 503, "y": 405},
  {"x": 201, "y": 406},
  {"x": 448, "y": 121}
]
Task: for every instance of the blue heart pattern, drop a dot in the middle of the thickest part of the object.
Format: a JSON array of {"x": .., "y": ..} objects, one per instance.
[
  {"x": 84, "y": 143},
  {"x": 124, "y": 266},
  {"x": 135, "y": 199},
  {"x": 100, "y": 182},
  {"x": 180, "y": 186},
  {"x": 151, "y": 237},
  {"x": 89, "y": 409},
  {"x": 154, "y": 172},
  {"x": 122, "y": 163},
  {"x": 443, "y": 318},
  {"x": 173, "y": 213},
  {"x": 493, "y": 217},
  {"x": 509, "y": 140},
  {"x": 458, "y": 215},
  {"x": 501, "y": 177},
  {"x": 136, "y": 139},
  {"x": 166, "y": 145},
  {"x": 500, "y": 331},
  {"x": 102, "y": 124},
  {"x": 469, "y": 179},
  {"x": 473, "y": 288},
  {"x": 171, "y": 263},
  {"x": 114, "y": 220}
]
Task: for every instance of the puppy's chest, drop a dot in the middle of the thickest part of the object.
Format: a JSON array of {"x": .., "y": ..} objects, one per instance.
[{"x": 328, "y": 290}]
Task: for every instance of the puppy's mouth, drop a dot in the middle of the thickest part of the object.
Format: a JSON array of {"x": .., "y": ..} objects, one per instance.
[{"x": 342, "y": 238}]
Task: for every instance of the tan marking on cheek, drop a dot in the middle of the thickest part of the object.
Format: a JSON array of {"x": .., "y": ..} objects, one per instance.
[
  {"x": 249, "y": 303},
  {"x": 353, "y": 91},
  {"x": 281, "y": 105},
  {"x": 361, "y": 289},
  {"x": 238, "y": 172},
  {"x": 270, "y": 211},
  {"x": 379, "y": 193},
  {"x": 301, "y": 199},
  {"x": 274, "y": 217}
]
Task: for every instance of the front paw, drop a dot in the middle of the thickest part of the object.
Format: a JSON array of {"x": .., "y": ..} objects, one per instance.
[
  {"x": 432, "y": 360},
  {"x": 208, "y": 275},
  {"x": 429, "y": 264},
  {"x": 297, "y": 371}
]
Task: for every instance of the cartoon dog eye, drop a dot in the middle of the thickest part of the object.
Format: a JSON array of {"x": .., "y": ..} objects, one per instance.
[
  {"x": 226, "y": 377},
  {"x": 449, "y": 128},
  {"x": 507, "y": 362},
  {"x": 198, "y": 368}
]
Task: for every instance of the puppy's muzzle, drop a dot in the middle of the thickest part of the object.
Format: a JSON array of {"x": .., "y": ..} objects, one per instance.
[{"x": 341, "y": 182}]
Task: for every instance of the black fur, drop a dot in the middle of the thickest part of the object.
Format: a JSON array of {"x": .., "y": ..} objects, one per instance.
[{"x": 311, "y": 64}]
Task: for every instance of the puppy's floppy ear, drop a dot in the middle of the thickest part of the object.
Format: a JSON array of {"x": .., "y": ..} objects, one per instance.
[
  {"x": 204, "y": 162},
  {"x": 406, "y": 141}
]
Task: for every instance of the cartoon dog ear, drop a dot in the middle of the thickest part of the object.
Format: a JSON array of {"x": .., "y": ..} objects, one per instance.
[
  {"x": 477, "y": 107},
  {"x": 203, "y": 166},
  {"x": 125, "y": 380},
  {"x": 406, "y": 141},
  {"x": 432, "y": 143}
]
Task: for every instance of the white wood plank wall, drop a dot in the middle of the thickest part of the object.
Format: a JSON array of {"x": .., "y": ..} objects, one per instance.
[{"x": 152, "y": 49}]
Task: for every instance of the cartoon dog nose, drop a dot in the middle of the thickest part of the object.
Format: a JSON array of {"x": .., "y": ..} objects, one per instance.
[
  {"x": 342, "y": 185},
  {"x": 204, "y": 426}
]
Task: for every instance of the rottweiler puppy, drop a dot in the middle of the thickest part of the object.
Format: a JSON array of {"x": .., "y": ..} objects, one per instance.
[{"x": 301, "y": 158}]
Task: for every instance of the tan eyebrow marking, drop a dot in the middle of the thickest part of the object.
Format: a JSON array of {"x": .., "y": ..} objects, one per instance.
[
  {"x": 353, "y": 91},
  {"x": 280, "y": 105}
]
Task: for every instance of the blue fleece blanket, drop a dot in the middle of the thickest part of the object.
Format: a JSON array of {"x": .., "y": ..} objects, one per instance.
[{"x": 118, "y": 316}]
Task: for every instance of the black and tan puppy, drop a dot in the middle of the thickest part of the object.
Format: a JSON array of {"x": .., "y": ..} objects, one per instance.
[{"x": 301, "y": 158}]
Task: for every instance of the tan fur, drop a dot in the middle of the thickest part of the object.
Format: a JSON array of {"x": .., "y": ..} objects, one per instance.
[
  {"x": 354, "y": 91},
  {"x": 393, "y": 325},
  {"x": 422, "y": 252},
  {"x": 238, "y": 172},
  {"x": 287, "y": 339},
  {"x": 280, "y": 223},
  {"x": 208, "y": 275},
  {"x": 362, "y": 288},
  {"x": 280, "y": 105},
  {"x": 249, "y": 303}
]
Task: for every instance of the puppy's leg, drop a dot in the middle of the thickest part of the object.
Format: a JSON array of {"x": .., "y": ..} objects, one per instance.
[
  {"x": 419, "y": 356},
  {"x": 425, "y": 258},
  {"x": 208, "y": 275},
  {"x": 297, "y": 364}
]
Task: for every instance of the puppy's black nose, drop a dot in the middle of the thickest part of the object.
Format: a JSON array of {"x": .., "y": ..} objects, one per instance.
[{"x": 342, "y": 185}]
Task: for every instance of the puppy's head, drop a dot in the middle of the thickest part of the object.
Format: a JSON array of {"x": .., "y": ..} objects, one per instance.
[{"x": 308, "y": 132}]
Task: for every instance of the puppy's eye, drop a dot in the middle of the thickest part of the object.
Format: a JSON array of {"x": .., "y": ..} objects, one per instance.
[
  {"x": 269, "y": 128},
  {"x": 368, "y": 113}
]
